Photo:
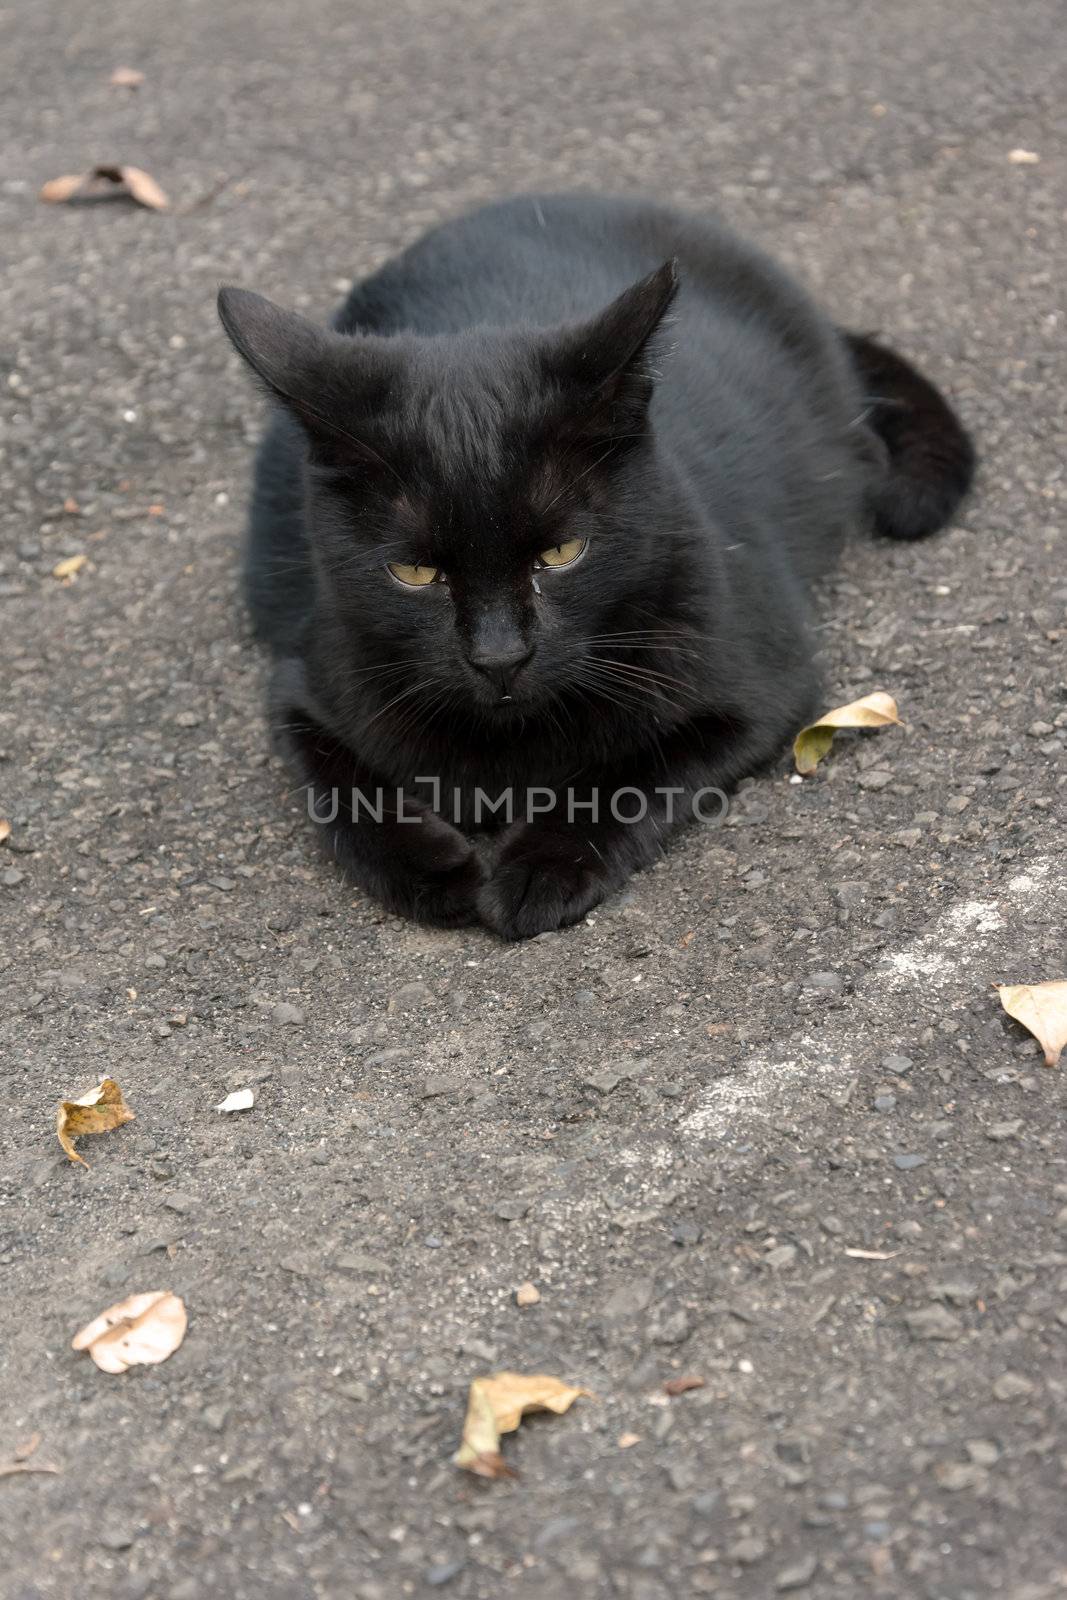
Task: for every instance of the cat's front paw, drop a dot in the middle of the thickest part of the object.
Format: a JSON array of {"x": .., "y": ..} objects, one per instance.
[
  {"x": 543, "y": 879},
  {"x": 433, "y": 875}
]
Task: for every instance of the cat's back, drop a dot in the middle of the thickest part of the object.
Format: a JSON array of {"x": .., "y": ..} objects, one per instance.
[{"x": 546, "y": 259}]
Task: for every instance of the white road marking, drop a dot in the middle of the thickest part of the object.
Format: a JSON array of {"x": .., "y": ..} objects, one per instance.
[{"x": 957, "y": 957}]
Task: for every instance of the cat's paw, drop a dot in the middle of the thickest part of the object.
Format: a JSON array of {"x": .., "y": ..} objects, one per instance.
[
  {"x": 434, "y": 874},
  {"x": 543, "y": 879}
]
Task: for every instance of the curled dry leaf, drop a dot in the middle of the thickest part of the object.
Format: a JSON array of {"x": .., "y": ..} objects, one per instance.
[
  {"x": 876, "y": 710},
  {"x": 104, "y": 183},
  {"x": 137, "y": 1332},
  {"x": 126, "y": 78},
  {"x": 1041, "y": 1007},
  {"x": 682, "y": 1385},
  {"x": 102, "y": 1109},
  {"x": 239, "y": 1100},
  {"x": 5, "y": 829},
  {"x": 68, "y": 567},
  {"x": 496, "y": 1405}
]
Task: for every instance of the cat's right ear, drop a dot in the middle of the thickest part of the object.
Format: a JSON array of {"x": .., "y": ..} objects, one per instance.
[
  {"x": 330, "y": 382},
  {"x": 284, "y": 350}
]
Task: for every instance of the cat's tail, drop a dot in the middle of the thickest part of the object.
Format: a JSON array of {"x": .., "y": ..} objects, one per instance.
[{"x": 928, "y": 459}]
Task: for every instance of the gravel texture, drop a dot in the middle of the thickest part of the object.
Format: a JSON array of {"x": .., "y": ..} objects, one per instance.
[{"x": 673, "y": 1121}]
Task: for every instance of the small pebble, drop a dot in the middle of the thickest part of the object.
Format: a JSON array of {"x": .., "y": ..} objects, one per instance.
[
  {"x": 746, "y": 1552},
  {"x": 798, "y": 1575},
  {"x": 1012, "y": 1386},
  {"x": 933, "y": 1322},
  {"x": 437, "y": 1577},
  {"x": 1000, "y": 1131}
]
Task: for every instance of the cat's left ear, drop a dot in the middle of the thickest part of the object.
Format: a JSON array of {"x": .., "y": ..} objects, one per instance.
[{"x": 605, "y": 365}]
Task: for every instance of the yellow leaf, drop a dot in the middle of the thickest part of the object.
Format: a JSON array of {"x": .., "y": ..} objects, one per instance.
[
  {"x": 876, "y": 710},
  {"x": 1041, "y": 1007},
  {"x": 137, "y": 1332},
  {"x": 67, "y": 568},
  {"x": 495, "y": 1406},
  {"x": 102, "y": 1109}
]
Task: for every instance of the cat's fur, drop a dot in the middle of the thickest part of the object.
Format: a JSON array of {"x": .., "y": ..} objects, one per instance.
[{"x": 546, "y": 370}]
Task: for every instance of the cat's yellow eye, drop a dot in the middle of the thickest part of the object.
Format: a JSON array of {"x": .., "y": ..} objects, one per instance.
[
  {"x": 415, "y": 577},
  {"x": 561, "y": 555}
]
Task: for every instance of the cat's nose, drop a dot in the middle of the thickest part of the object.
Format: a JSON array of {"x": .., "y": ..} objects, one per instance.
[{"x": 501, "y": 663}]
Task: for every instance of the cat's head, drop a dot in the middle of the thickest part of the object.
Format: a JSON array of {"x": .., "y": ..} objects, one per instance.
[{"x": 477, "y": 503}]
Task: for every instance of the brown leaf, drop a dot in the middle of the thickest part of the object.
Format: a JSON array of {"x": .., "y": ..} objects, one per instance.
[
  {"x": 126, "y": 78},
  {"x": 876, "y": 710},
  {"x": 106, "y": 183},
  {"x": 675, "y": 1386},
  {"x": 1041, "y": 1007},
  {"x": 144, "y": 188},
  {"x": 5, "y": 829},
  {"x": 138, "y": 1331},
  {"x": 25, "y": 1447},
  {"x": 102, "y": 1109},
  {"x": 626, "y": 1441},
  {"x": 496, "y": 1405}
]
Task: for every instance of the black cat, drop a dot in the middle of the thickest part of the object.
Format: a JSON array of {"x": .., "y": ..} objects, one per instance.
[{"x": 534, "y": 528}]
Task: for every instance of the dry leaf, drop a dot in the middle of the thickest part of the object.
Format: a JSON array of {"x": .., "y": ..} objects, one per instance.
[
  {"x": 495, "y": 1406},
  {"x": 139, "y": 1331},
  {"x": 104, "y": 183},
  {"x": 10, "y": 1468},
  {"x": 127, "y": 78},
  {"x": 25, "y": 1448},
  {"x": 626, "y": 1441},
  {"x": 872, "y": 1255},
  {"x": 811, "y": 743},
  {"x": 1041, "y": 1007},
  {"x": 1023, "y": 158},
  {"x": 239, "y": 1100},
  {"x": 675, "y": 1386},
  {"x": 5, "y": 829},
  {"x": 527, "y": 1294},
  {"x": 68, "y": 567},
  {"x": 102, "y": 1109}
]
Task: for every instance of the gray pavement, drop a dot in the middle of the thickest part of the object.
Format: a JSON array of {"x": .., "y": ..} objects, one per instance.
[{"x": 657, "y": 1117}]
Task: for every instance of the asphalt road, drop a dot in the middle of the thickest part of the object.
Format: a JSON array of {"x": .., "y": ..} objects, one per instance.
[{"x": 656, "y": 1117}]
